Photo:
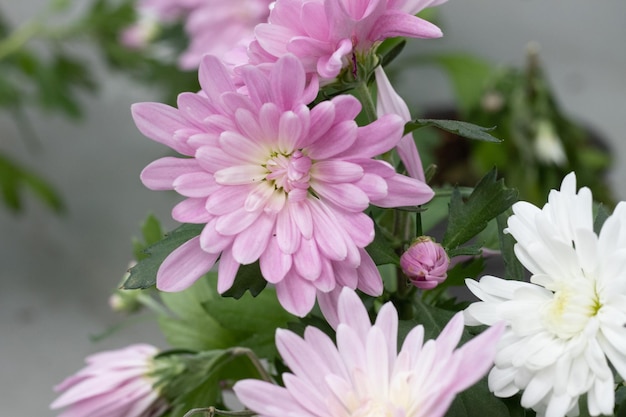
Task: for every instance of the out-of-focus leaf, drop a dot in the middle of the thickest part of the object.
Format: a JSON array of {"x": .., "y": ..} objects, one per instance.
[{"x": 14, "y": 178}]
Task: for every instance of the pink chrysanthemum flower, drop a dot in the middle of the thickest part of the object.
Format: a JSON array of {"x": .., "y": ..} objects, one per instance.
[
  {"x": 364, "y": 375},
  {"x": 114, "y": 383},
  {"x": 213, "y": 26},
  {"x": 328, "y": 35},
  {"x": 274, "y": 181}
]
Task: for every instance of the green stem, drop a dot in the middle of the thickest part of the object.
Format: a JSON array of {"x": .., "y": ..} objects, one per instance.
[
  {"x": 19, "y": 38},
  {"x": 153, "y": 305},
  {"x": 241, "y": 351},
  {"x": 362, "y": 92},
  {"x": 212, "y": 411}
]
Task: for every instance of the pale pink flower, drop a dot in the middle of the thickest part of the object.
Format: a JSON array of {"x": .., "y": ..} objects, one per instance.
[
  {"x": 274, "y": 181},
  {"x": 425, "y": 263},
  {"x": 114, "y": 383},
  {"x": 329, "y": 35},
  {"x": 364, "y": 375},
  {"x": 389, "y": 102},
  {"x": 213, "y": 26}
]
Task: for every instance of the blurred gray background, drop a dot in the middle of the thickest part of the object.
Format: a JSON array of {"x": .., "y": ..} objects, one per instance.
[{"x": 56, "y": 273}]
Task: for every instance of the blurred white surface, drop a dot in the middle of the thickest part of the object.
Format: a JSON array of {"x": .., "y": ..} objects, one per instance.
[{"x": 56, "y": 273}]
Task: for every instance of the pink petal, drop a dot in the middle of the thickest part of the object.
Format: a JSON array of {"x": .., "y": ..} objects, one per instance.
[
  {"x": 191, "y": 210},
  {"x": 184, "y": 266},
  {"x": 352, "y": 312},
  {"x": 195, "y": 184},
  {"x": 214, "y": 78},
  {"x": 307, "y": 260},
  {"x": 397, "y": 23},
  {"x": 287, "y": 232},
  {"x": 335, "y": 141},
  {"x": 254, "y": 394},
  {"x": 289, "y": 131},
  {"x": 301, "y": 214},
  {"x": 211, "y": 240},
  {"x": 258, "y": 85},
  {"x": 241, "y": 175},
  {"x": 227, "y": 271},
  {"x": 225, "y": 200},
  {"x": 274, "y": 262},
  {"x": 376, "y": 138},
  {"x": 326, "y": 281},
  {"x": 347, "y": 196},
  {"x": 373, "y": 186},
  {"x": 250, "y": 243},
  {"x": 160, "y": 122},
  {"x": 296, "y": 294},
  {"x": 287, "y": 80},
  {"x": 370, "y": 281},
  {"x": 329, "y": 232},
  {"x": 336, "y": 171},
  {"x": 160, "y": 174},
  {"x": 405, "y": 191},
  {"x": 194, "y": 107}
]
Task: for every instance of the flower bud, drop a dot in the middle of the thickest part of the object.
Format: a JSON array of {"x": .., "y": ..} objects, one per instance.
[{"x": 425, "y": 263}]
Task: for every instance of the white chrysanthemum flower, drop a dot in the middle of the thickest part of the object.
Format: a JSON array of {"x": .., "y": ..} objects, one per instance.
[{"x": 566, "y": 328}]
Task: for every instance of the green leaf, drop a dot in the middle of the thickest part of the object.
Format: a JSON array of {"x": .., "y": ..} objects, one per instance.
[
  {"x": 469, "y": 250},
  {"x": 467, "y": 219},
  {"x": 14, "y": 177},
  {"x": 513, "y": 268},
  {"x": 477, "y": 401},
  {"x": 601, "y": 214},
  {"x": 249, "y": 278},
  {"x": 189, "y": 326},
  {"x": 469, "y": 75},
  {"x": 381, "y": 249},
  {"x": 464, "y": 129},
  {"x": 143, "y": 275},
  {"x": 253, "y": 319},
  {"x": 196, "y": 381}
]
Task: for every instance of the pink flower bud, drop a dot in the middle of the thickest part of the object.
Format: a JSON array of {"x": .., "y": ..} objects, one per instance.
[{"x": 425, "y": 263}]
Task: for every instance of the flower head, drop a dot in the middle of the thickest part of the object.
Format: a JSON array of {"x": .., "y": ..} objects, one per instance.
[
  {"x": 566, "y": 325},
  {"x": 212, "y": 26},
  {"x": 364, "y": 375},
  {"x": 114, "y": 383},
  {"x": 274, "y": 181},
  {"x": 328, "y": 35},
  {"x": 425, "y": 263}
]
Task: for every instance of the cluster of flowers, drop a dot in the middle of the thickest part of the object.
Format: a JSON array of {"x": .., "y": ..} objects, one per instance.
[{"x": 276, "y": 177}]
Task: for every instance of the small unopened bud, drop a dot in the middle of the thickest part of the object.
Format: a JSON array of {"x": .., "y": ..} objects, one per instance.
[
  {"x": 125, "y": 301},
  {"x": 547, "y": 144},
  {"x": 425, "y": 262}
]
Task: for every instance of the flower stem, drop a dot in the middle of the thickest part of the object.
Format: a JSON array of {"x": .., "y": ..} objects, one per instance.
[
  {"x": 241, "y": 351},
  {"x": 362, "y": 92},
  {"x": 212, "y": 411}
]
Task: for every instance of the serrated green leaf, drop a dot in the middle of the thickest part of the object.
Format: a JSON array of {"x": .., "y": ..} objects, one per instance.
[
  {"x": 513, "y": 269},
  {"x": 249, "y": 278},
  {"x": 464, "y": 129},
  {"x": 143, "y": 275},
  {"x": 254, "y": 319},
  {"x": 467, "y": 219},
  {"x": 381, "y": 249}
]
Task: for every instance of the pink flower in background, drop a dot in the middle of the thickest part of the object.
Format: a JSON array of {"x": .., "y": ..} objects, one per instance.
[
  {"x": 274, "y": 181},
  {"x": 364, "y": 375},
  {"x": 328, "y": 35},
  {"x": 114, "y": 383},
  {"x": 212, "y": 26},
  {"x": 425, "y": 263}
]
